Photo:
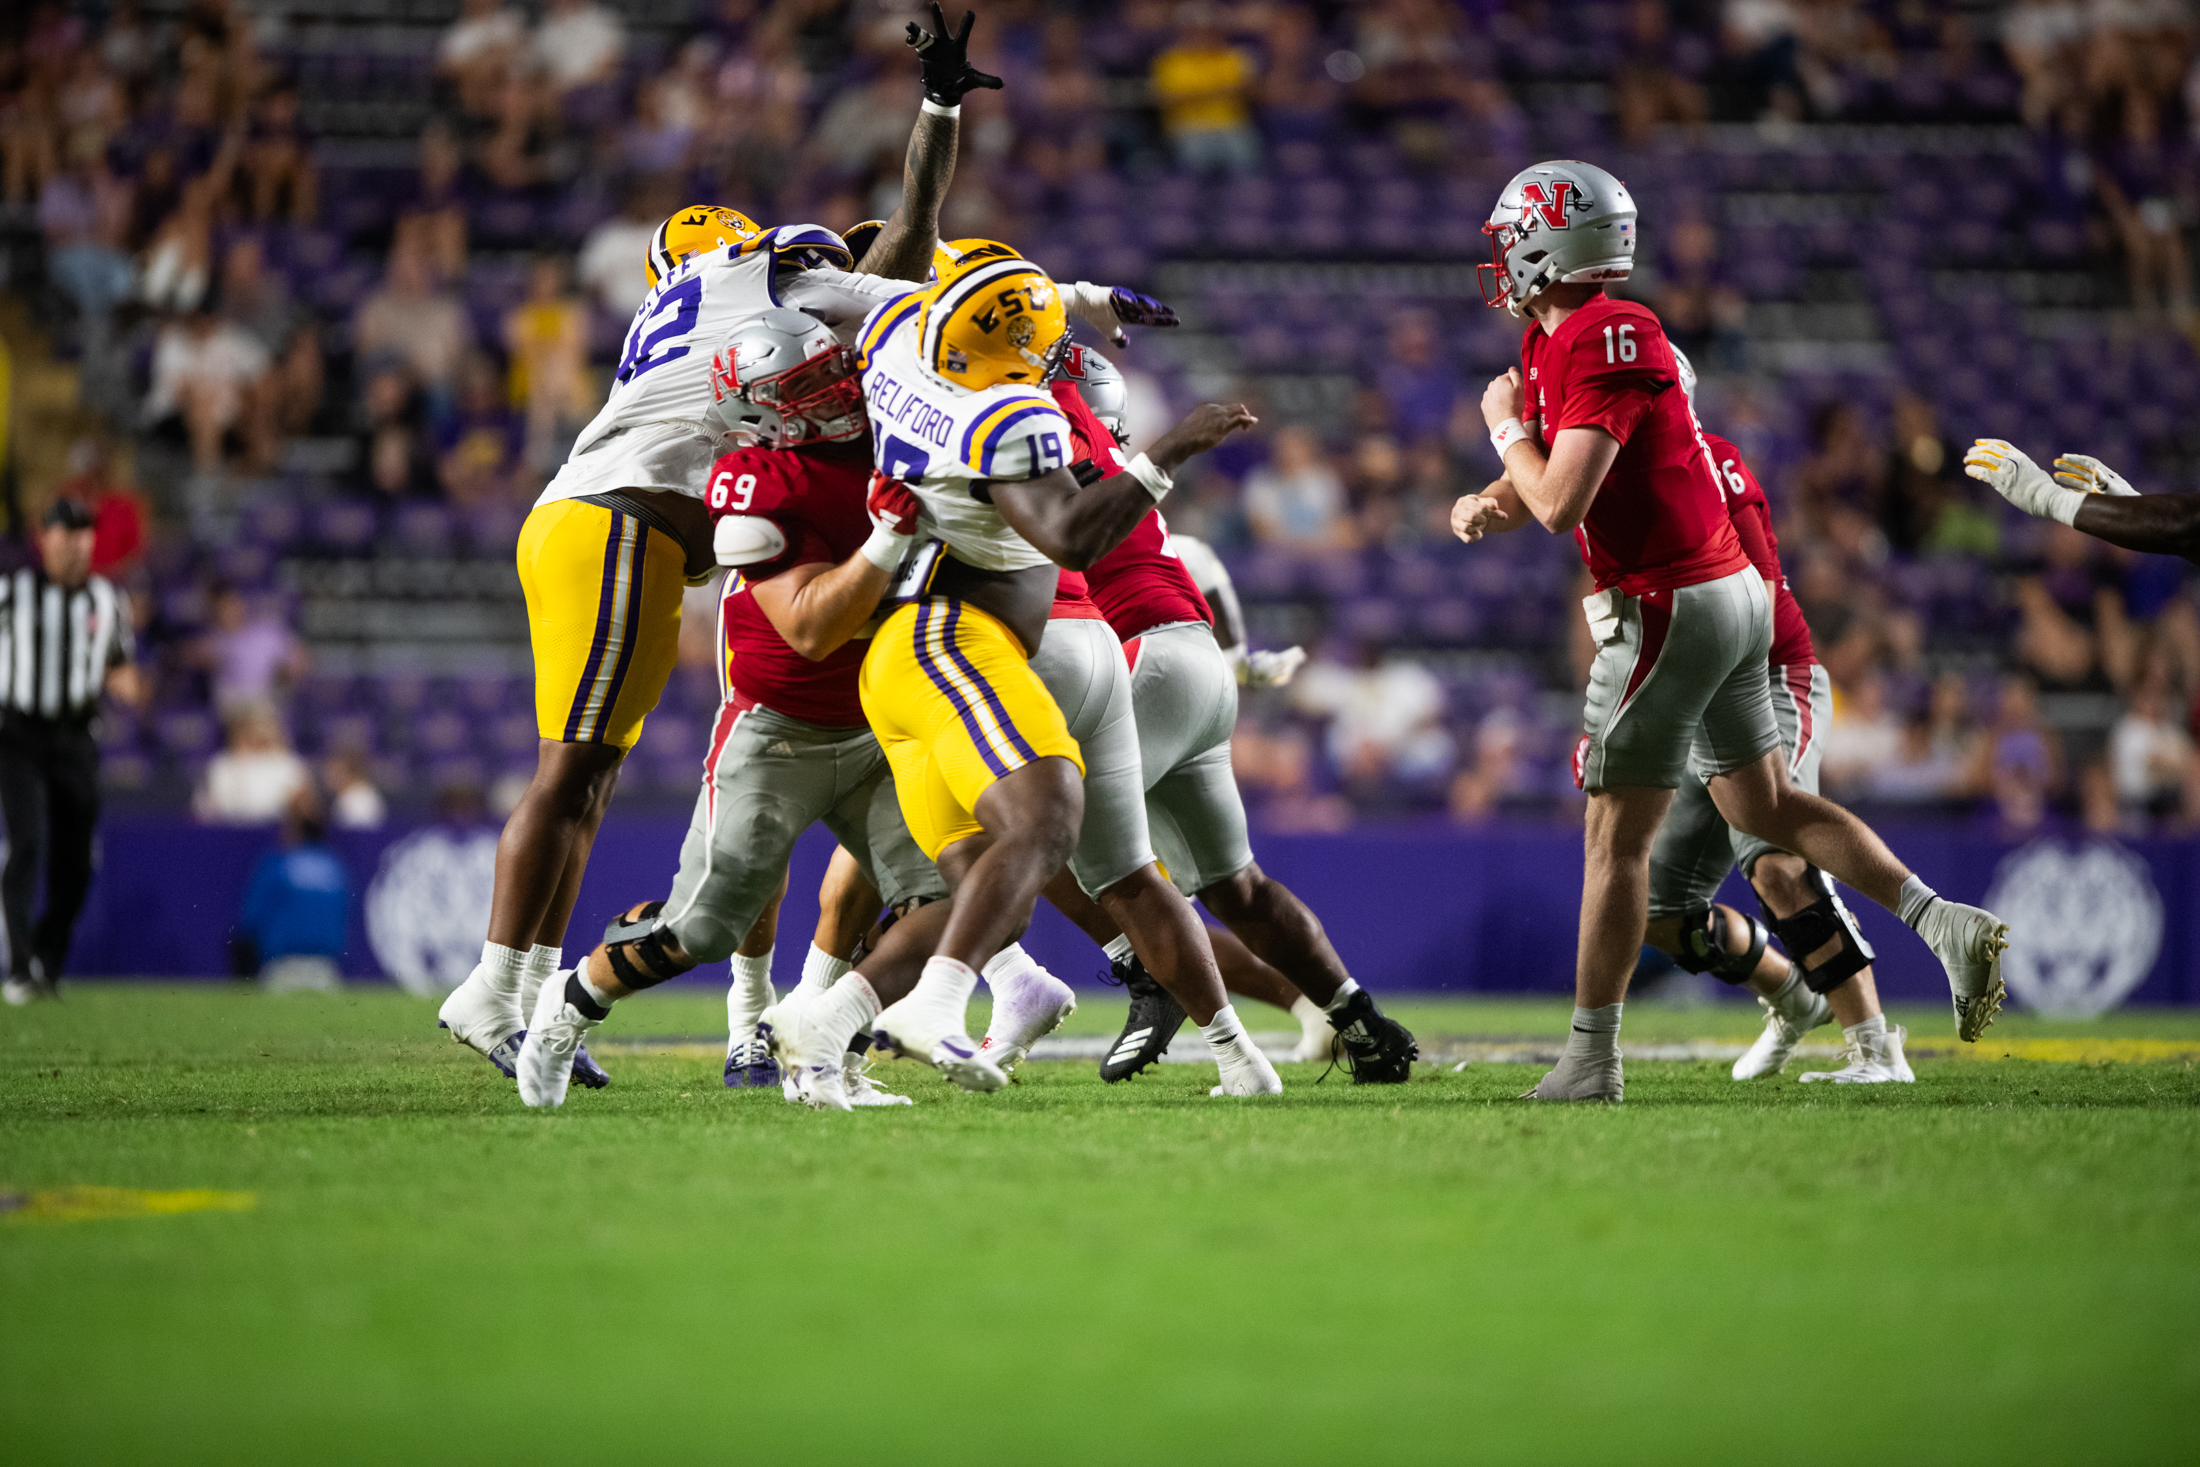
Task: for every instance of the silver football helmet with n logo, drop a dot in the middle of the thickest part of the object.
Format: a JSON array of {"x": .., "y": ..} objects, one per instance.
[
  {"x": 1557, "y": 223},
  {"x": 782, "y": 379}
]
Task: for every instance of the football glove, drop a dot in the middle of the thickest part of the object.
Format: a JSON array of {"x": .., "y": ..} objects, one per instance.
[
  {"x": 1109, "y": 310},
  {"x": 1270, "y": 669},
  {"x": 2088, "y": 475},
  {"x": 946, "y": 59},
  {"x": 895, "y": 511},
  {"x": 2023, "y": 483}
]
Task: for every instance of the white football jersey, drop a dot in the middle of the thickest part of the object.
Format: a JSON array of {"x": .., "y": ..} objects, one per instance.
[
  {"x": 943, "y": 440},
  {"x": 660, "y": 428}
]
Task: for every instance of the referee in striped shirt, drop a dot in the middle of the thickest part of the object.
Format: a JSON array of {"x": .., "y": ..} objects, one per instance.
[{"x": 64, "y": 643}]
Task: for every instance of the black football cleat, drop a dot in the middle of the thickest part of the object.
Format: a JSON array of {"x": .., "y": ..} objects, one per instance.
[
  {"x": 1378, "y": 1050},
  {"x": 1154, "y": 1019}
]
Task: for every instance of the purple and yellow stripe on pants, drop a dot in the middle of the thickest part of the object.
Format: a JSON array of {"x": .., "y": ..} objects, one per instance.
[
  {"x": 603, "y": 616},
  {"x": 956, "y": 706}
]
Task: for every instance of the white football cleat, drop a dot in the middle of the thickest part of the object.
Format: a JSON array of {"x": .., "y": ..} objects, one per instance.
[
  {"x": 1027, "y": 1007},
  {"x": 855, "y": 1071},
  {"x": 1874, "y": 1059},
  {"x": 485, "y": 1020},
  {"x": 545, "y": 1064},
  {"x": 1969, "y": 942},
  {"x": 801, "y": 1038},
  {"x": 1583, "y": 1077},
  {"x": 1245, "y": 1070},
  {"x": 1783, "y": 1032},
  {"x": 929, "y": 1027}
]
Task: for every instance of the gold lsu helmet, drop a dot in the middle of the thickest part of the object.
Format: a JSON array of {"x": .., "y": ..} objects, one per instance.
[
  {"x": 950, "y": 257},
  {"x": 693, "y": 230},
  {"x": 998, "y": 321}
]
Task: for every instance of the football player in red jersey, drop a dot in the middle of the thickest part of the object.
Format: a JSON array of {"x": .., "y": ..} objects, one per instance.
[
  {"x": 790, "y": 746},
  {"x": 1681, "y": 619},
  {"x": 1829, "y": 978},
  {"x": 1184, "y": 700}
]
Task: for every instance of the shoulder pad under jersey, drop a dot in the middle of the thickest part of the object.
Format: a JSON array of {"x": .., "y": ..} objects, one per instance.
[{"x": 746, "y": 539}]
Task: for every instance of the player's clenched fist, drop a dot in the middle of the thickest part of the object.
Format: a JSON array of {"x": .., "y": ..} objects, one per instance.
[
  {"x": 1473, "y": 516},
  {"x": 1503, "y": 400},
  {"x": 894, "y": 509}
]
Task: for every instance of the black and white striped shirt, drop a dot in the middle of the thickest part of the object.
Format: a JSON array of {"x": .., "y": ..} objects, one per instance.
[{"x": 57, "y": 644}]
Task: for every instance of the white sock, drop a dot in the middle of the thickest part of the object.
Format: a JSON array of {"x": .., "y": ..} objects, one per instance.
[
  {"x": 591, "y": 989},
  {"x": 1344, "y": 992},
  {"x": 946, "y": 980},
  {"x": 851, "y": 1002},
  {"x": 1874, "y": 1027},
  {"x": 542, "y": 961},
  {"x": 503, "y": 967},
  {"x": 1313, "y": 1018},
  {"x": 1595, "y": 1031},
  {"x": 1223, "y": 1029},
  {"x": 748, "y": 995},
  {"x": 1911, "y": 902},
  {"x": 1119, "y": 950},
  {"x": 1009, "y": 962},
  {"x": 820, "y": 971},
  {"x": 1793, "y": 996}
]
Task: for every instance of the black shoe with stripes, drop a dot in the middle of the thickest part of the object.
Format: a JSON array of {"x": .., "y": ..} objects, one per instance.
[
  {"x": 1378, "y": 1050},
  {"x": 1154, "y": 1019}
]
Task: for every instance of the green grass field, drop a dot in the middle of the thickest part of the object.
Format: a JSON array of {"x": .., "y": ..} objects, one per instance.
[{"x": 2000, "y": 1263}]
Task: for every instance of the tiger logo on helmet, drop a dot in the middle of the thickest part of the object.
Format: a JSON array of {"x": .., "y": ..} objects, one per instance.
[
  {"x": 1000, "y": 320},
  {"x": 694, "y": 230}
]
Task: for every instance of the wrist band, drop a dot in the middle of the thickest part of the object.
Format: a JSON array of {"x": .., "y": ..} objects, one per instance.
[
  {"x": 943, "y": 109},
  {"x": 1505, "y": 435},
  {"x": 2064, "y": 505},
  {"x": 885, "y": 548},
  {"x": 1150, "y": 474}
]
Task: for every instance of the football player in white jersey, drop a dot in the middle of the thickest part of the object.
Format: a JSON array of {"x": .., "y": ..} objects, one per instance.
[
  {"x": 622, "y": 528},
  {"x": 987, "y": 772}
]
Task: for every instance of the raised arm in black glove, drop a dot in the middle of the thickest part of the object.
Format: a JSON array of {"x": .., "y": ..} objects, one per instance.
[{"x": 946, "y": 59}]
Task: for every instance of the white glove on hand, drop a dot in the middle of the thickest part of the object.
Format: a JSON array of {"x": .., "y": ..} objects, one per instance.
[
  {"x": 2022, "y": 482},
  {"x": 1271, "y": 669},
  {"x": 2088, "y": 475}
]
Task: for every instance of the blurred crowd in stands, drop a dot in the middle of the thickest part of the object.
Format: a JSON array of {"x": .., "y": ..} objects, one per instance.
[{"x": 340, "y": 282}]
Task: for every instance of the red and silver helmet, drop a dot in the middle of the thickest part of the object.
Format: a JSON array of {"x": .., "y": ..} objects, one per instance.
[
  {"x": 1100, "y": 383},
  {"x": 1557, "y": 223},
  {"x": 782, "y": 378}
]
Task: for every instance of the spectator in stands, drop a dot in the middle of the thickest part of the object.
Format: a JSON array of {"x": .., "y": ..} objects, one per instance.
[
  {"x": 2147, "y": 186},
  {"x": 1060, "y": 112},
  {"x": 354, "y": 802},
  {"x": 484, "y": 443},
  {"x": 1203, "y": 86},
  {"x": 251, "y": 658},
  {"x": 610, "y": 266},
  {"x": 577, "y": 46},
  {"x": 1298, "y": 97},
  {"x": 84, "y": 214},
  {"x": 546, "y": 340},
  {"x": 1296, "y": 500},
  {"x": 2073, "y": 633},
  {"x": 1702, "y": 313},
  {"x": 1374, "y": 480},
  {"x": 1865, "y": 735},
  {"x": 1385, "y": 720},
  {"x": 2018, "y": 758},
  {"x": 660, "y": 136},
  {"x": 529, "y": 148},
  {"x": 254, "y": 778},
  {"x": 478, "y": 51},
  {"x": 2150, "y": 754},
  {"x": 1842, "y": 472},
  {"x": 1420, "y": 385},
  {"x": 277, "y": 164},
  {"x": 1761, "y": 81},
  {"x": 1479, "y": 789},
  {"x": 210, "y": 379},
  {"x": 179, "y": 259},
  {"x": 1419, "y": 59},
  {"x": 1276, "y": 770},
  {"x": 297, "y": 905},
  {"x": 258, "y": 300},
  {"x": 861, "y": 123},
  {"x": 409, "y": 319},
  {"x": 1648, "y": 93},
  {"x": 1925, "y": 501},
  {"x": 395, "y": 458},
  {"x": 433, "y": 221},
  {"x": 2099, "y": 811},
  {"x": 118, "y": 515},
  {"x": 1917, "y": 772},
  {"x": 2042, "y": 39}
]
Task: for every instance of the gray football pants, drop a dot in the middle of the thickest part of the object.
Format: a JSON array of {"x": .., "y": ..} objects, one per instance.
[
  {"x": 1082, "y": 665},
  {"x": 1186, "y": 700}
]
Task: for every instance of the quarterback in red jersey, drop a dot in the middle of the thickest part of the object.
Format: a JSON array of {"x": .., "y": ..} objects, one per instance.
[
  {"x": 1184, "y": 702},
  {"x": 1681, "y": 619},
  {"x": 812, "y": 543},
  {"x": 1826, "y": 973}
]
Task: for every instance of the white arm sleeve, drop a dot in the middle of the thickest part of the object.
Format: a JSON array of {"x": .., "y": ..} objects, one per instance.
[{"x": 839, "y": 298}]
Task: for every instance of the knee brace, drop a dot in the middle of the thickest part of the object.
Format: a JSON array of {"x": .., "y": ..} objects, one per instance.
[
  {"x": 1704, "y": 946},
  {"x": 638, "y": 951},
  {"x": 1825, "y": 923}
]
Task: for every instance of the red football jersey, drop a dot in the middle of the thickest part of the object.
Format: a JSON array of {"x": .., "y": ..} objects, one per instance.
[
  {"x": 816, "y": 496},
  {"x": 1072, "y": 592},
  {"x": 1141, "y": 584},
  {"x": 1659, "y": 520},
  {"x": 1752, "y": 514}
]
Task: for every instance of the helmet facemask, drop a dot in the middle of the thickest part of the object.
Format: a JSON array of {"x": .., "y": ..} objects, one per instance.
[{"x": 818, "y": 400}]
